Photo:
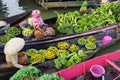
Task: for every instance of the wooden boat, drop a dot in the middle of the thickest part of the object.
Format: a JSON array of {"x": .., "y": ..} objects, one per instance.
[
  {"x": 83, "y": 68},
  {"x": 30, "y": 43},
  {"x": 49, "y": 66},
  {"x": 15, "y": 20}
]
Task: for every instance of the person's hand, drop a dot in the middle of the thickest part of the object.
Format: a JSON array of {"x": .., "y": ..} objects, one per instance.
[{"x": 24, "y": 66}]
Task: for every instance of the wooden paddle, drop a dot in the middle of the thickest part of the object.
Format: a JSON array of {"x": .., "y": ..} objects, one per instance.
[{"x": 1, "y": 9}]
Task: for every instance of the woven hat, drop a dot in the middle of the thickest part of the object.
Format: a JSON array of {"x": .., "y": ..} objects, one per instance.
[
  {"x": 13, "y": 46},
  {"x": 2, "y": 23}
]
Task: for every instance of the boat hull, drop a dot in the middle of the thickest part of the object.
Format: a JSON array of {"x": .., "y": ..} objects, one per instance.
[{"x": 48, "y": 66}]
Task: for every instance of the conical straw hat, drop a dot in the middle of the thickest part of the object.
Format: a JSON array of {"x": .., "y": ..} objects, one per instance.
[
  {"x": 13, "y": 46},
  {"x": 2, "y": 23}
]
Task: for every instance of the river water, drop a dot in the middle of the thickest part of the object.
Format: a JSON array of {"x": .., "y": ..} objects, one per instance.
[{"x": 13, "y": 7}]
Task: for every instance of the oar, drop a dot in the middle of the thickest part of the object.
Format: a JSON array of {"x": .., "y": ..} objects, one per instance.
[
  {"x": 34, "y": 63},
  {"x": 1, "y": 9},
  {"x": 2, "y": 30},
  {"x": 95, "y": 5}
]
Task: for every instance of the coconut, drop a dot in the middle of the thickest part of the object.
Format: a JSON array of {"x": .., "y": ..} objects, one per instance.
[{"x": 3, "y": 23}]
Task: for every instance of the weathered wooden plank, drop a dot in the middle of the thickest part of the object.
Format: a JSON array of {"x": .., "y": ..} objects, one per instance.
[{"x": 64, "y": 4}]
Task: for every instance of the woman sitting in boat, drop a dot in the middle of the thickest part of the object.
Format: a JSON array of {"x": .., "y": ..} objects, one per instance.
[
  {"x": 11, "y": 49},
  {"x": 40, "y": 28}
]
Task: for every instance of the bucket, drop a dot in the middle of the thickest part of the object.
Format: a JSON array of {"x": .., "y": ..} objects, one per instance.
[
  {"x": 80, "y": 44},
  {"x": 97, "y": 71},
  {"x": 106, "y": 39}
]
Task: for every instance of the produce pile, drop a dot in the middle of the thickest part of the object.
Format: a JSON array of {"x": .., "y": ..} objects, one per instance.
[
  {"x": 70, "y": 60},
  {"x": 13, "y": 31},
  {"x": 32, "y": 73},
  {"x": 4, "y": 39},
  {"x": 10, "y": 33},
  {"x": 51, "y": 52},
  {"x": 34, "y": 56},
  {"x": 27, "y": 32},
  {"x": 89, "y": 43},
  {"x": 74, "y": 22},
  {"x": 66, "y": 54}
]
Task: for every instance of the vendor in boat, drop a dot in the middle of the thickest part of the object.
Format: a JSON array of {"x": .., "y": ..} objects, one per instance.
[
  {"x": 40, "y": 28},
  {"x": 11, "y": 49},
  {"x": 38, "y": 21}
]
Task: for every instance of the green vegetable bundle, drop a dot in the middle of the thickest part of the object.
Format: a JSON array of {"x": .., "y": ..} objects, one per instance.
[
  {"x": 5, "y": 38},
  {"x": 29, "y": 73},
  {"x": 13, "y": 31},
  {"x": 70, "y": 60},
  {"x": 50, "y": 77},
  {"x": 32, "y": 73},
  {"x": 74, "y": 22}
]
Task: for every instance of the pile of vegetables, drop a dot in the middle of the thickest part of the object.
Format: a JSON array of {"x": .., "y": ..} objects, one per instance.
[
  {"x": 29, "y": 73},
  {"x": 63, "y": 45},
  {"x": 90, "y": 45},
  {"x": 89, "y": 42},
  {"x": 31, "y": 52},
  {"x": 50, "y": 77},
  {"x": 82, "y": 41},
  {"x": 4, "y": 39},
  {"x": 62, "y": 51},
  {"x": 38, "y": 56},
  {"x": 49, "y": 55},
  {"x": 74, "y": 22},
  {"x": 27, "y": 32},
  {"x": 13, "y": 31},
  {"x": 74, "y": 48},
  {"x": 34, "y": 56},
  {"x": 70, "y": 60},
  {"x": 91, "y": 39},
  {"x": 53, "y": 49},
  {"x": 32, "y": 73}
]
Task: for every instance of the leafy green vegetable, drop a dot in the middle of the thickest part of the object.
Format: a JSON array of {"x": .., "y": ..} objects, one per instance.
[
  {"x": 13, "y": 31},
  {"x": 50, "y": 77},
  {"x": 29, "y": 73},
  {"x": 74, "y": 22},
  {"x": 6, "y": 38},
  {"x": 70, "y": 60},
  {"x": 32, "y": 73}
]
